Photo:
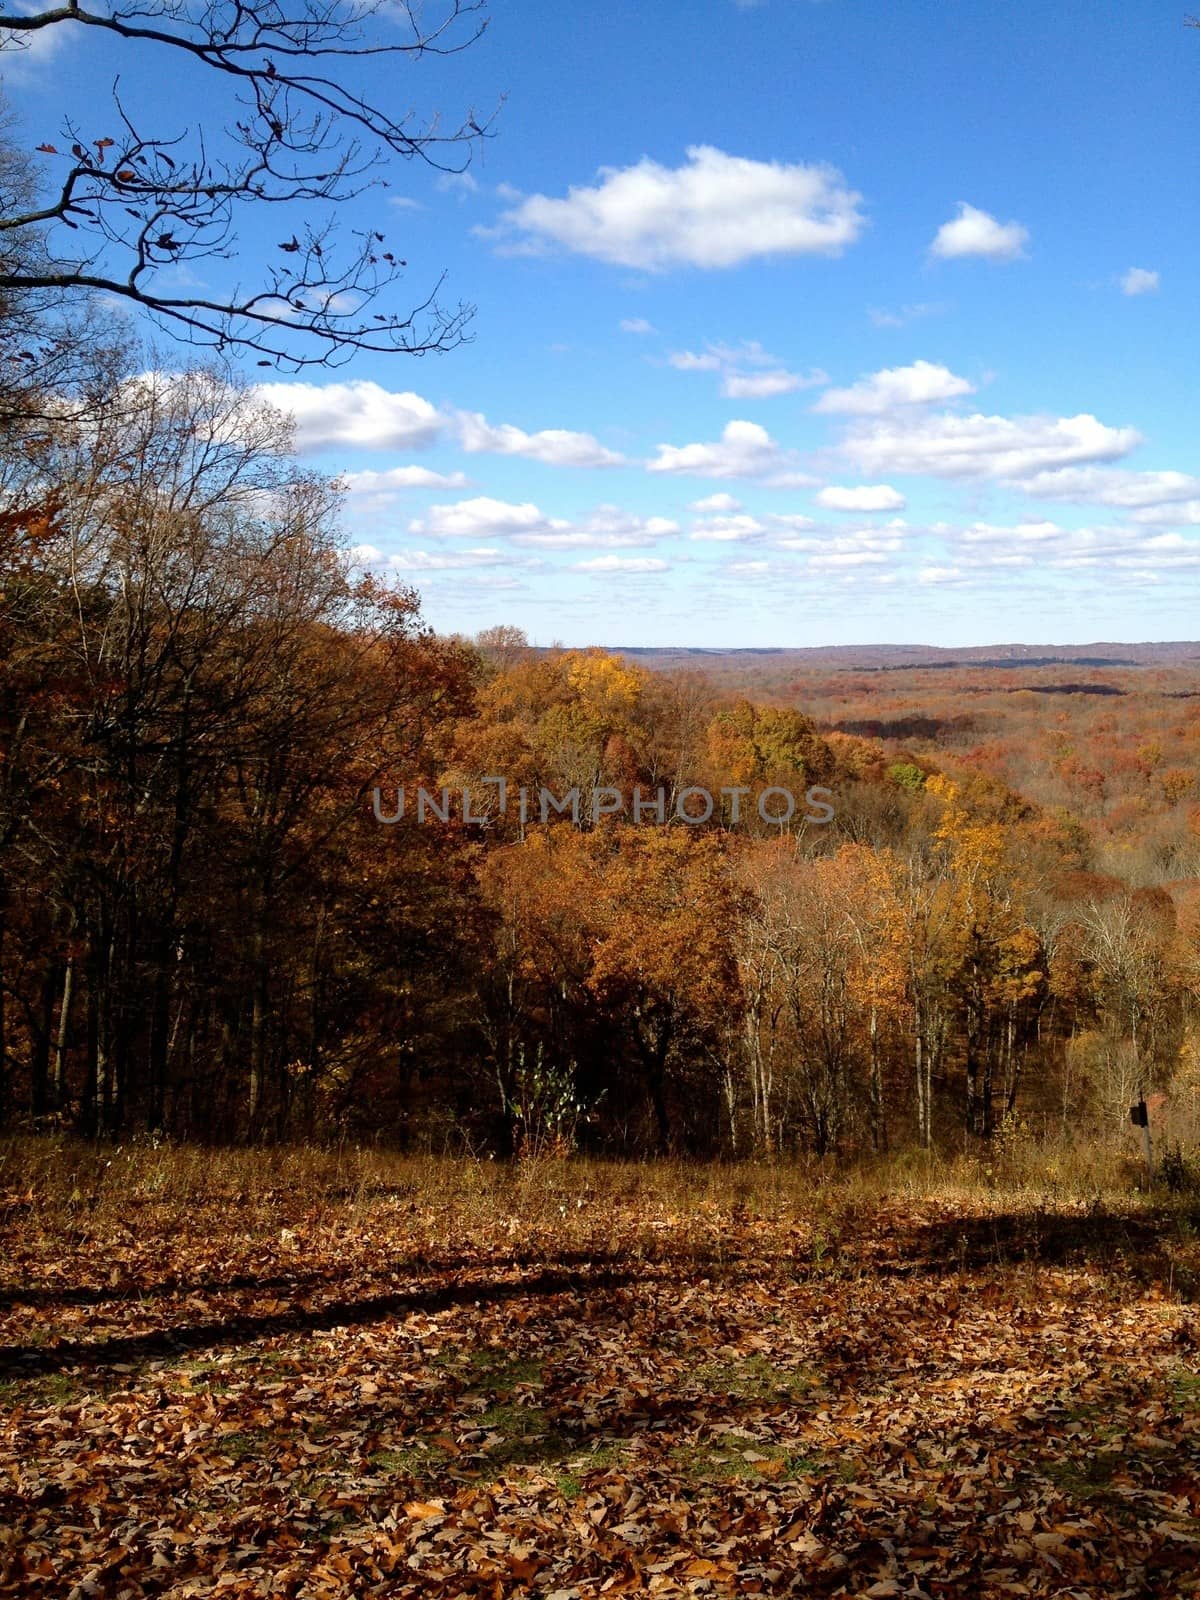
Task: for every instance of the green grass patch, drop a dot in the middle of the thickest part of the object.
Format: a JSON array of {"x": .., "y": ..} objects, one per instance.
[
  {"x": 495, "y": 1371},
  {"x": 709, "y": 1463},
  {"x": 527, "y": 1437},
  {"x": 245, "y": 1446},
  {"x": 719, "y": 1461},
  {"x": 754, "y": 1378},
  {"x": 573, "y": 1479},
  {"x": 1185, "y": 1389},
  {"x": 56, "y": 1388},
  {"x": 403, "y": 1461}
]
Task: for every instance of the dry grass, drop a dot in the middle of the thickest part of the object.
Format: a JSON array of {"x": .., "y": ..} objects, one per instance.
[{"x": 75, "y": 1194}]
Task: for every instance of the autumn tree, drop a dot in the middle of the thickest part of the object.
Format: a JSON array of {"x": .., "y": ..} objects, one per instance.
[
  {"x": 822, "y": 989},
  {"x": 219, "y": 693},
  {"x": 612, "y": 965},
  {"x": 990, "y": 956}
]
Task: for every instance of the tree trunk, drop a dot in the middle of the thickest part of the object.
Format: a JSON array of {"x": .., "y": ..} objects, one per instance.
[
  {"x": 39, "y": 1063},
  {"x": 60, "y": 1043}
]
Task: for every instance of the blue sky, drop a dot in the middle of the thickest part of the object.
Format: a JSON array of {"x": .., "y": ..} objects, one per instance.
[{"x": 800, "y": 322}]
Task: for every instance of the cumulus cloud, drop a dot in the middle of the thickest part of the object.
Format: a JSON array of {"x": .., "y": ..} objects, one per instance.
[
  {"x": 1175, "y": 514},
  {"x": 791, "y": 521},
  {"x": 714, "y": 211},
  {"x": 942, "y": 575},
  {"x": 767, "y": 375},
  {"x": 728, "y": 529},
  {"x": 903, "y": 315},
  {"x": 741, "y": 529},
  {"x": 948, "y": 446},
  {"x": 1131, "y": 552},
  {"x": 832, "y": 560},
  {"x": 607, "y": 527},
  {"x": 459, "y": 183},
  {"x": 622, "y": 565},
  {"x": 1139, "y": 280},
  {"x": 874, "y": 541},
  {"x": 977, "y": 233},
  {"x": 1115, "y": 486},
  {"x": 689, "y": 361},
  {"x": 987, "y": 533},
  {"x": 922, "y": 383},
  {"x": 744, "y": 450},
  {"x": 865, "y": 497},
  {"x": 448, "y": 560},
  {"x": 557, "y": 447},
  {"x": 637, "y": 325},
  {"x": 360, "y": 414},
  {"x": 716, "y": 502},
  {"x": 760, "y": 385},
  {"x": 26, "y": 53},
  {"x": 528, "y": 526},
  {"x": 481, "y": 517},
  {"x": 396, "y": 478}
]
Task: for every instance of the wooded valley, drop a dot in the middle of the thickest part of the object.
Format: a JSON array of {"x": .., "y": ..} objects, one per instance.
[{"x": 205, "y": 933}]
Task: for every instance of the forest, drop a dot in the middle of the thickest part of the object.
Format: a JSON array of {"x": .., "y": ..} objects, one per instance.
[
  {"x": 482, "y": 1117},
  {"x": 206, "y": 932}
]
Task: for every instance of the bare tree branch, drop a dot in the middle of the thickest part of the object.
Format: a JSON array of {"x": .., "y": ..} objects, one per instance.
[{"x": 142, "y": 205}]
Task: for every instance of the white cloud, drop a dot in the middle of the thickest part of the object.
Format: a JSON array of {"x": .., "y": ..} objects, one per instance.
[
  {"x": 977, "y": 233},
  {"x": 728, "y": 530},
  {"x": 942, "y": 575},
  {"x": 903, "y": 315},
  {"x": 637, "y": 325},
  {"x": 605, "y": 528},
  {"x": 359, "y": 414},
  {"x": 717, "y": 502},
  {"x": 749, "y": 353},
  {"x": 767, "y": 378},
  {"x": 922, "y": 383},
  {"x": 396, "y": 478},
  {"x": 986, "y": 533},
  {"x": 790, "y": 521},
  {"x": 448, "y": 560},
  {"x": 865, "y": 540},
  {"x": 27, "y": 52},
  {"x": 1130, "y": 554},
  {"x": 948, "y": 446},
  {"x": 622, "y": 565},
  {"x": 1173, "y": 550},
  {"x": 1180, "y": 512},
  {"x": 689, "y": 361},
  {"x": 1114, "y": 486},
  {"x": 557, "y": 447},
  {"x": 866, "y": 497},
  {"x": 460, "y": 183},
  {"x": 760, "y": 385},
  {"x": 745, "y": 450},
  {"x": 831, "y": 560},
  {"x": 1139, "y": 280},
  {"x": 715, "y": 211},
  {"x": 483, "y": 517},
  {"x": 744, "y": 529},
  {"x": 526, "y": 525}
]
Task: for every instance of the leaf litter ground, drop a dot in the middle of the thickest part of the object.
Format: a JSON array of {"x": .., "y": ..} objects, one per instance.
[{"x": 615, "y": 1395}]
